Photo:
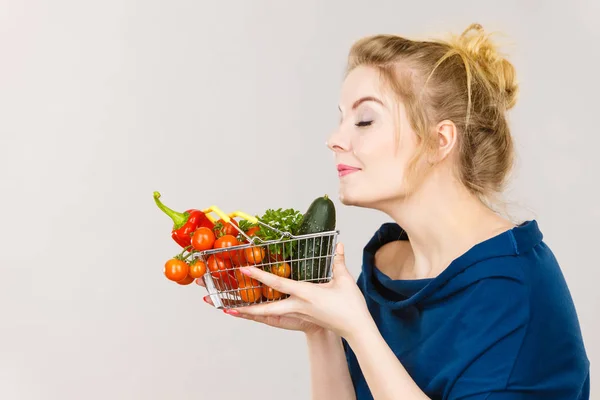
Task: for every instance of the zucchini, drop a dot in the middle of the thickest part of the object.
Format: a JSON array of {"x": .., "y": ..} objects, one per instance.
[{"x": 310, "y": 260}]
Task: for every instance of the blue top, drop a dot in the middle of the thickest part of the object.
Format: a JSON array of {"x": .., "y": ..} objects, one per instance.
[{"x": 497, "y": 324}]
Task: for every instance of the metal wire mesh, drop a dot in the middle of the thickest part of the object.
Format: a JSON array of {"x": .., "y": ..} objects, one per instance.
[{"x": 305, "y": 258}]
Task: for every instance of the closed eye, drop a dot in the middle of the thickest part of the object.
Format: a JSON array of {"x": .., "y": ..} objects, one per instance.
[{"x": 364, "y": 123}]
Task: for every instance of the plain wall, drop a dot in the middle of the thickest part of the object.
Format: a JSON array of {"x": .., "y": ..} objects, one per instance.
[{"x": 102, "y": 103}]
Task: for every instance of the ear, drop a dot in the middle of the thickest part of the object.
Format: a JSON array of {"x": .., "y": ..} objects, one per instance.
[{"x": 447, "y": 136}]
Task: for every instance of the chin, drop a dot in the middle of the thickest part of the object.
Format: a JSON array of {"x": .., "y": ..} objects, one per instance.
[
  {"x": 345, "y": 198},
  {"x": 354, "y": 199},
  {"x": 368, "y": 198}
]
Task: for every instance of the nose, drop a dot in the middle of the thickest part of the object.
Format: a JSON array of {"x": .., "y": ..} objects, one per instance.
[{"x": 338, "y": 143}]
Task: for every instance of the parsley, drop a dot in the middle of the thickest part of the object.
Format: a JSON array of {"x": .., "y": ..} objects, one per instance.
[
  {"x": 245, "y": 225},
  {"x": 285, "y": 220}
]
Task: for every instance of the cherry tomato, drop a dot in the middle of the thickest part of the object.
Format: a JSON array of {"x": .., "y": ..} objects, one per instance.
[
  {"x": 253, "y": 230},
  {"x": 197, "y": 269},
  {"x": 227, "y": 241},
  {"x": 203, "y": 239},
  {"x": 271, "y": 293},
  {"x": 230, "y": 282},
  {"x": 237, "y": 258},
  {"x": 245, "y": 280},
  {"x": 283, "y": 269},
  {"x": 223, "y": 228},
  {"x": 175, "y": 269},
  {"x": 187, "y": 280},
  {"x": 218, "y": 266},
  {"x": 220, "y": 270},
  {"x": 251, "y": 295},
  {"x": 254, "y": 254}
]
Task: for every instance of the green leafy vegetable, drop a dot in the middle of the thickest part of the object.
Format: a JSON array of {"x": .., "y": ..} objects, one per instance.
[
  {"x": 285, "y": 220},
  {"x": 245, "y": 225}
]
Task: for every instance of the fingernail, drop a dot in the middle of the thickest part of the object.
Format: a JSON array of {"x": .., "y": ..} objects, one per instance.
[
  {"x": 205, "y": 298},
  {"x": 231, "y": 312},
  {"x": 245, "y": 271}
]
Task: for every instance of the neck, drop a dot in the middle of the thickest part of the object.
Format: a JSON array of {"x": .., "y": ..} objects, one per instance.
[{"x": 442, "y": 220}]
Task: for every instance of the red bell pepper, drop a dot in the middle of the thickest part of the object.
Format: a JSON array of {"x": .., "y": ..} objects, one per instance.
[{"x": 184, "y": 224}]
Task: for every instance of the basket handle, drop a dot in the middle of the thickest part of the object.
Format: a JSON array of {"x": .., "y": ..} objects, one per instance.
[
  {"x": 217, "y": 211},
  {"x": 227, "y": 218},
  {"x": 245, "y": 216}
]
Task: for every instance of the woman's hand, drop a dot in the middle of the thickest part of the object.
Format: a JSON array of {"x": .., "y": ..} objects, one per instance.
[
  {"x": 289, "y": 322},
  {"x": 334, "y": 308},
  {"x": 337, "y": 305}
]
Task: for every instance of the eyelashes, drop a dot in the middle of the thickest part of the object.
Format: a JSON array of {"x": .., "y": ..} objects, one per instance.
[{"x": 363, "y": 123}]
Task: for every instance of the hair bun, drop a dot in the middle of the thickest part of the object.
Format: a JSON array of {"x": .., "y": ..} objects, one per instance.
[{"x": 499, "y": 73}]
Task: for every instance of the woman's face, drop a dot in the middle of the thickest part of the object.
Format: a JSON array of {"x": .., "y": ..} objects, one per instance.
[{"x": 371, "y": 162}]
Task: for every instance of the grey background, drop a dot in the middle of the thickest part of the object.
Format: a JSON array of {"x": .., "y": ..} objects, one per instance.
[{"x": 101, "y": 103}]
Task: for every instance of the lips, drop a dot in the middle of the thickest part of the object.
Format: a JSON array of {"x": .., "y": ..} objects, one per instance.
[{"x": 344, "y": 170}]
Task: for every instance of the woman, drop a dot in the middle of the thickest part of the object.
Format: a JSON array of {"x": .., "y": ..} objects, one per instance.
[{"x": 453, "y": 301}]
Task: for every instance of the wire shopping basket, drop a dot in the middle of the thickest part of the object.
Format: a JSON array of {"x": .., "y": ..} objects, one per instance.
[{"x": 305, "y": 258}]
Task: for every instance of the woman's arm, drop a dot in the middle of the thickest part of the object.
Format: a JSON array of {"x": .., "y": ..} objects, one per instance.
[
  {"x": 385, "y": 375},
  {"x": 330, "y": 378},
  {"x": 340, "y": 307}
]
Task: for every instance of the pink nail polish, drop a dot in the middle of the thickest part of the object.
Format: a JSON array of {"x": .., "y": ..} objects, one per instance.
[
  {"x": 231, "y": 312},
  {"x": 245, "y": 271}
]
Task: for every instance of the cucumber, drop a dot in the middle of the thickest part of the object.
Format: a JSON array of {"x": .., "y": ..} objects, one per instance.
[{"x": 320, "y": 217}]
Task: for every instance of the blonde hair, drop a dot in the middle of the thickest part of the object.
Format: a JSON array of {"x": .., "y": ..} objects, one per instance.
[{"x": 463, "y": 79}]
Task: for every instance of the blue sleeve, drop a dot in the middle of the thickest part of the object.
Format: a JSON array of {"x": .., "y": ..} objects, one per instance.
[
  {"x": 494, "y": 328},
  {"x": 502, "y": 347},
  {"x": 523, "y": 394}
]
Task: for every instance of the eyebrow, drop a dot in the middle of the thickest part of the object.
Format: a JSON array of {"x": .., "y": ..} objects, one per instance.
[{"x": 362, "y": 100}]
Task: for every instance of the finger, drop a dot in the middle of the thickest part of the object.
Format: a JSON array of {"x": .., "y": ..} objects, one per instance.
[
  {"x": 225, "y": 302},
  {"x": 261, "y": 319},
  {"x": 200, "y": 282},
  {"x": 208, "y": 300},
  {"x": 283, "y": 285},
  {"x": 271, "y": 320},
  {"x": 339, "y": 262},
  {"x": 290, "y": 306}
]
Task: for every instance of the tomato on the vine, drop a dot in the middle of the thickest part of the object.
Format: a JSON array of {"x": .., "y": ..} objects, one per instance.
[
  {"x": 187, "y": 280},
  {"x": 197, "y": 269},
  {"x": 203, "y": 239},
  {"x": 176, "y": 269}
]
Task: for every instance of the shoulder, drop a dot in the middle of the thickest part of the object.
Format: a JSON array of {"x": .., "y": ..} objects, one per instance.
[
  {"x": 502, "y": 297},
  {"x": 518, "y": 255},
  {"x": 523, "y": 292},
  {"x": 521, "y": 319}
]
